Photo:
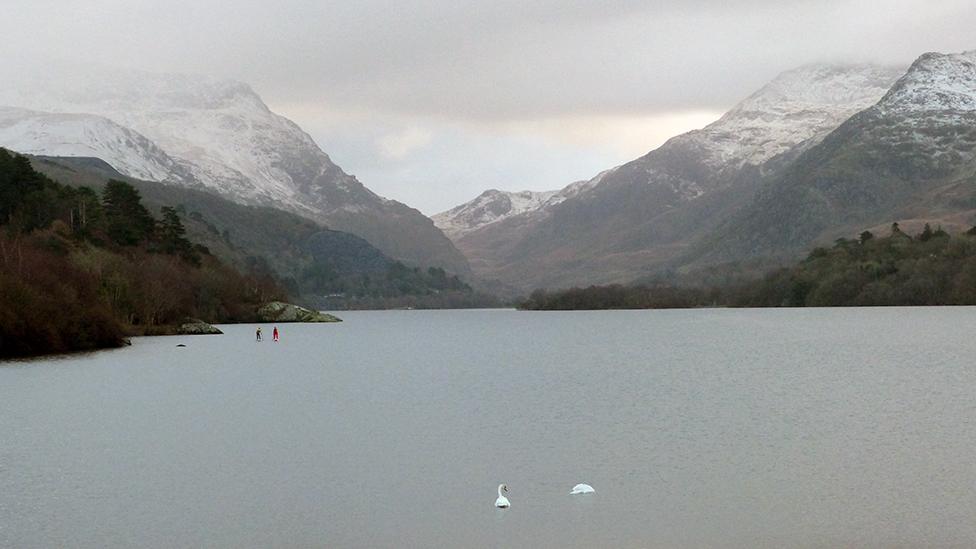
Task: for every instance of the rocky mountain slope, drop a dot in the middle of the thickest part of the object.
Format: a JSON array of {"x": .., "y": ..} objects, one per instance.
[
  {"x": 220, "y": 136},
  {"x": 640, "y": 216},
  {"x": 911, "y": 156}
]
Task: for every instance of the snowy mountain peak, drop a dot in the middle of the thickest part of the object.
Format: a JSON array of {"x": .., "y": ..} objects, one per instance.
[
  {"x": 800, "y": 105},
  {"x": 819, "y": 86},
  {"x": 126, "y": 90},
  {"x": 936, "y": 82},
  {"x": 219, "y": 135},
  {"x": 490, "y": 207},
  {"x": 65, "y": 134},
  {"x": 794, "y": 111}
]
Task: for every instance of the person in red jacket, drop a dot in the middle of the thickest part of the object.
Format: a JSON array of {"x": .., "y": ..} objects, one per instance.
[{"x": 274, "y": 334}]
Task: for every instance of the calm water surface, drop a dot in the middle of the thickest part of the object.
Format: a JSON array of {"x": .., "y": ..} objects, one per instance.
[{"x": 702, "y": 428}]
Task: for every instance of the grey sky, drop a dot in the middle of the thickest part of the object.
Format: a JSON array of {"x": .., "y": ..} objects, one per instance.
[{"x": 431, "y": 102}]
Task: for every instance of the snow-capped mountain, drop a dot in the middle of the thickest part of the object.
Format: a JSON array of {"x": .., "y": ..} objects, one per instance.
[
  {"x": 219, "y": 130},
  {"x": 937, "y": 85},
  {"x": 643, "y": 213},
  {"x": 222, "y": 137},
  {"x": 932, "y": 107},
  {"x": 493, "y": 206},
  {"x": 62, "y": 134},
  {"x": 489, "y": 207},
  {"x": 909, "y": 158},
  {"x": 788, "y": 115},
  {"x": 800, "y": 106}
]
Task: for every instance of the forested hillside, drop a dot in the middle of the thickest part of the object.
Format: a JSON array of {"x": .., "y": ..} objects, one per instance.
[
  {"x": 317, "y": 266},
  {"x": 81, "y": 269},
  {"x": 930, "y": 268}
]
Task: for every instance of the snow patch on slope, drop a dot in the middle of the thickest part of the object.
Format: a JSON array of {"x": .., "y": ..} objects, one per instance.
[
  {"x": 61, "y": 134},
  {"x": 799, "y": 106},
  {"x": 794, "y": 111},
  {"x": 220, "y": 131},
  {"x": 790, "y": 114},
  {"x": 936, "y": 85},
  {"x": 226, "y": 140},
  {"x": 490, "y": 207},
  {"x": 932, "y": 110},
  {"x": 493, "y": 206}
]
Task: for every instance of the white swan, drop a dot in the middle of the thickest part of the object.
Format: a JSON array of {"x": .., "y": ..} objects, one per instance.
[
  {"x": 502, "y": 501},
  {"x": 582, "y": 489}
]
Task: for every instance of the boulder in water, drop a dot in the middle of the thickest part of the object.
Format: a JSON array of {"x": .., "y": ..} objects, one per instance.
[{"x": 195, "y": 326}]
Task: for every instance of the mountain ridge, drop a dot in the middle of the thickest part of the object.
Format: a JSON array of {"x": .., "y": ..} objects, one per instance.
[
  {"x": 73, "y": 134},
  {"x": 910, "y": 155},
  {"x": 640, "y": 216},
  {"x": 224, "y": 138}
]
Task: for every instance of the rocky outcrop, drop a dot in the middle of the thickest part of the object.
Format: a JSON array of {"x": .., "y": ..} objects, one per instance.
[
  {"x": 195, "y": 326},
  {"x": 277, "y": 311}
]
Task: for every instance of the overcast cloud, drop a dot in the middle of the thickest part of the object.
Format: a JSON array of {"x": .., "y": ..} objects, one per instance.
[{"x": 431, "y": 102}]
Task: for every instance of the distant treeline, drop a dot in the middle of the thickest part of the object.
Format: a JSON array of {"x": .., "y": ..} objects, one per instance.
[
  {"x": 81, "y": 270},
  {"x": 397, "y": 286},
  {"x": 931, "y": 268},
  {"x": 401, "y": 287}
]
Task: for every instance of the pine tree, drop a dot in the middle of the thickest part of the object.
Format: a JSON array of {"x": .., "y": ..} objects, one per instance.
[
  {"x": 86, "y": 211},
  {"x": 926, "y": 234},
  {"x": 128, "y": 222},
  {"x": 24, "y": 193},
  {"x": 172, "y": 235}
]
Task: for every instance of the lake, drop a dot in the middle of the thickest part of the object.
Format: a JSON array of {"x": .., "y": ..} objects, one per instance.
[{"x": 697, "y": 428}]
